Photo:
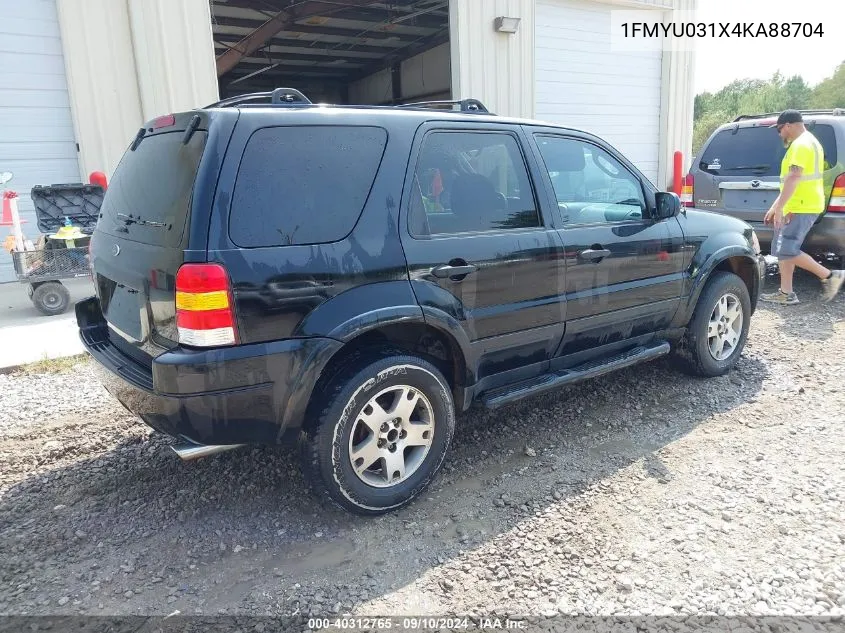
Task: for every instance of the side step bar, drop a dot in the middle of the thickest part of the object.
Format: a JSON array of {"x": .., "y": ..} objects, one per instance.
[
  {"x": 592, "y": 369},
  {"x": 189, "y": 451}
]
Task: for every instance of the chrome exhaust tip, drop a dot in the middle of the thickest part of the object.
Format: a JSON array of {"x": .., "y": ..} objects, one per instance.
[{"x": 189, "y": 451}]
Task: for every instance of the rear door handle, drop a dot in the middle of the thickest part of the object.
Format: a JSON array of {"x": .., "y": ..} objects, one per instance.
[
  {"x": 594, "y": 254},
  {"x": 446, "y": 271}
]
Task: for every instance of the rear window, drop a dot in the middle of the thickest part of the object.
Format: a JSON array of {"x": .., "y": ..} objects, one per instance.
[
  {"x": 304, "y": 184},
  {"x": 149, "y": 195},
  {"x": 758, "y": 151}
]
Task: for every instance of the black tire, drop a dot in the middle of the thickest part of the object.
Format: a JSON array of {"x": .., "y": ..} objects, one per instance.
[
  {"x": 51, "y": 298},
  {"x": 327, "y": 462},
  {"x": 693, "y": 352}
]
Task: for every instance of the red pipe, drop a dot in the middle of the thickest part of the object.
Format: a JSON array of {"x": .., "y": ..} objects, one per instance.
[{"x": 678, "y": 175}]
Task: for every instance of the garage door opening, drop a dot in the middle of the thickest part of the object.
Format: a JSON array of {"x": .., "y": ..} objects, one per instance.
[{"x": 344, "y": 52}]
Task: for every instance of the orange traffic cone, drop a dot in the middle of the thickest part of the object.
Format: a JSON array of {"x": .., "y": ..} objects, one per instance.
[{"x": 6, "y": 218}]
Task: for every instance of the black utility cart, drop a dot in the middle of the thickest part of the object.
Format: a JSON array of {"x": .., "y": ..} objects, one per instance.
[{"x": 66, "y": 216}]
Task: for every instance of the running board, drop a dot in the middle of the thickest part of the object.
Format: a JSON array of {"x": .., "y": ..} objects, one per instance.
[{"x": 591, "y": 369}]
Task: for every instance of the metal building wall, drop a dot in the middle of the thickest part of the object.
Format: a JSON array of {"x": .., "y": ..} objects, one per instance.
[
  {"x": 678, "y": 102},
  {"x": 499, "y": 69},
  {"x": 128, "y": 61},
  {"x": 496, "y": 68}
]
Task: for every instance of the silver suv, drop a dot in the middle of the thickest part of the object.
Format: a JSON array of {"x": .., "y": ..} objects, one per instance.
[{"x": 737, "y": 172}]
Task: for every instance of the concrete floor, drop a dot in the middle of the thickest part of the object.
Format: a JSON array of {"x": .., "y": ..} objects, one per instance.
[{"x": 28, "y": 336}]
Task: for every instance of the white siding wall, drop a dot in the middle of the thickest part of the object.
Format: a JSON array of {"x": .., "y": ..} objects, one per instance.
[
  {"x": 129, "y": 61},
  {"x": 174, "y": 55},
  {"x": 582, "y": 83},
  {"x": 496, "y": 68},
  {"x": 37, "y": 141},
  {"x": 523, "y": 75},
  {"x": 678, "y": 103},
  {"x": 102, "y": 79}
]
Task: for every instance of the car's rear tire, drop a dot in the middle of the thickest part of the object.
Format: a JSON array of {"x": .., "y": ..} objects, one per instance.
[
  {"x": 718, "y": 330},
  {"x": 382, "y": 434}
]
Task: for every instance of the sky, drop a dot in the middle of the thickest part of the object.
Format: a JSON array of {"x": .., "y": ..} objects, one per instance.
[{"x": 720, "y": 61}]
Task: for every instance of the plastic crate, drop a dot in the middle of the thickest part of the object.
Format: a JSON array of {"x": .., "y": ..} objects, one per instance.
[{"x": 76, "y": 201}]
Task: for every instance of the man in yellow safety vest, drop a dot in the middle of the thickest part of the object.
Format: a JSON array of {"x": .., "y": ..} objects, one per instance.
[{"x": 797, "y": 208}]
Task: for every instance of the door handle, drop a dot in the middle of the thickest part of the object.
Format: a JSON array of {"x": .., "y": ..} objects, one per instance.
[
  {"x": 446, "y": 271},
  {"x": 594, "y": 254}
]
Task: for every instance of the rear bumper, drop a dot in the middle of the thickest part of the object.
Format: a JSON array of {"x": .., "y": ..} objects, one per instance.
[
  {"x": 246, "y": 394},
  {"x": 827, "y": 237}
]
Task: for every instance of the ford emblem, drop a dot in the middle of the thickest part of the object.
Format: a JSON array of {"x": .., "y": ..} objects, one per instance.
[{"x": 115, "y": 250}]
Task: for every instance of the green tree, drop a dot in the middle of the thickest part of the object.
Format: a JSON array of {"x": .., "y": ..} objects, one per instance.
[
  {"x": 830, "y": 93},
  {"x": 705, "y": 126}
]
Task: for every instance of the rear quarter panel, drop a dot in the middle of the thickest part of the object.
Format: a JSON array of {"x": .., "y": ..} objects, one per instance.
[{"x": 319, "y": 289}]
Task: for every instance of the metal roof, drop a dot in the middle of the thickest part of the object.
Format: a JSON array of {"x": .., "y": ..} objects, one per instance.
[{"x": 318, "y": 42}]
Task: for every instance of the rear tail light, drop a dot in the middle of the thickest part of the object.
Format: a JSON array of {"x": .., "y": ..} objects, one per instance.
[
  {"x": 837, "y": 196},
  {"x": 205, "y": 314},
  {"x": 687, "y": 188}
]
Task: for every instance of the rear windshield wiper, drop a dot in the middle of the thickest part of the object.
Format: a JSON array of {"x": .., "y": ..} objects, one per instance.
[{"x": 130, "y": 220}]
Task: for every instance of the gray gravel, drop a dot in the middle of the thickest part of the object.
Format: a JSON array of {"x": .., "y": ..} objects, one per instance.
[{"x": 641, "y": 493}]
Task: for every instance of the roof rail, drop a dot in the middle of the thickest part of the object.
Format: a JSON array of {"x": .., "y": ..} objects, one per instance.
[
  {"x": 466, "y": 105},
  {"x": 833, "y": 111},
  {"x": 279, "y": 95},
  {"x": 293, "y": 96}
]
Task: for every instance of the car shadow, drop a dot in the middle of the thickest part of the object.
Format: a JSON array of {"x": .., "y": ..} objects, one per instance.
[{"x": 143, "y": 532}]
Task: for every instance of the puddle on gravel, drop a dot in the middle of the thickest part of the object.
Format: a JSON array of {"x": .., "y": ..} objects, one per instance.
[
  {"x": 624, "y": 447},
  {"x": 311, "y": 557}
]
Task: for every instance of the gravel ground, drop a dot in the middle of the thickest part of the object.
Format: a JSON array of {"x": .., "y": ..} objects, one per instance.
[{"x": 644, "y": 492}]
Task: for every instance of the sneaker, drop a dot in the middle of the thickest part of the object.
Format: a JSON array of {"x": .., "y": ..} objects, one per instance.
[
  {"x": 832, "y": 284},
  {"x": 780, "y": 297}
]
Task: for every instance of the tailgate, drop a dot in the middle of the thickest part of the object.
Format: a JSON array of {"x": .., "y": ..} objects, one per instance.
[{"x": 141, "y": 235}]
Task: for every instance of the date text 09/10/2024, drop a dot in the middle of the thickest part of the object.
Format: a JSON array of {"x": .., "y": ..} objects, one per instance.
[
  {"x": 415, "y": 623},
  {"x": 723, "y": 29}
]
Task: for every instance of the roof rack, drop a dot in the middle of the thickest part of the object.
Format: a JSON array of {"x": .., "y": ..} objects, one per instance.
[
  {"x": 465, "y": 105},
  {"x": 833, "y": 111},
  {"x": 277, "y": 96},
  {"x": 293, "y": 97}
]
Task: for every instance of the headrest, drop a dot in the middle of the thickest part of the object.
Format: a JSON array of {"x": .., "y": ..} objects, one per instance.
[{"x": 562, "y": 155}]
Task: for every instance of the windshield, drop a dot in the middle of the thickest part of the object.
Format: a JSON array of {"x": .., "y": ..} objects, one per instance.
[
  {"x": 757, "y": 151},
  {"x": 149, "y": 196}
]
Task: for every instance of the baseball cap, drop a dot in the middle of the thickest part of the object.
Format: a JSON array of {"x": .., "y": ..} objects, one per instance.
[{"x": 788, "y": 116}]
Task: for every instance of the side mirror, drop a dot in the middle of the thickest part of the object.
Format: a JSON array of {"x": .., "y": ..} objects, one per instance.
[{"x": 668, "y": 205}]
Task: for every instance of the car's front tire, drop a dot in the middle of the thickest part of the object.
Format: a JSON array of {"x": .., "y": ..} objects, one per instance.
[
  {"x": 718, "y": 330},
  {"x": 382, "y": 433}
]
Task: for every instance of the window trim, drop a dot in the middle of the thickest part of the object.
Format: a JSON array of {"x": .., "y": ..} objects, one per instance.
[
  {"x": 646, "y": 209},
  {"x": 542, "y": 226},
  {"x": 242, "y": 151}
]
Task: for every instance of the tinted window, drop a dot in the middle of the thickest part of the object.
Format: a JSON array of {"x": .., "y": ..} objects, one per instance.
[
  {"x": 589, "y": 183},
  {"x": 469, "y": 182},
  {"x": 304, "y": 185},
  {"x": 757, "y": 151},
  {"x": 154, "y": 185}
]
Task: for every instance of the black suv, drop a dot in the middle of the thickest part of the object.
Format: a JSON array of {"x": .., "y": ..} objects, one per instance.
[{"x": 350, "y": 277}]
